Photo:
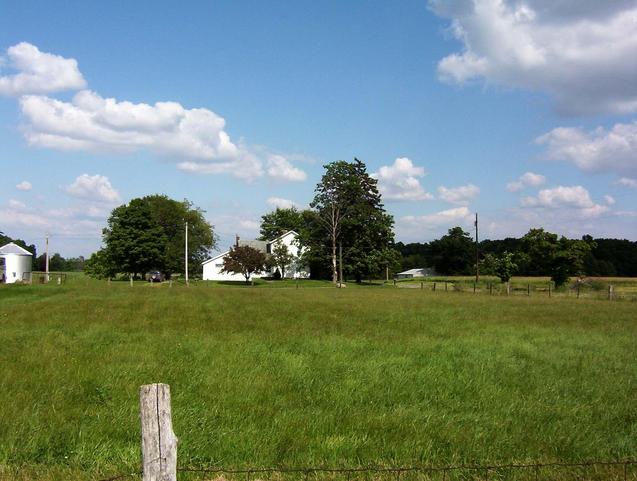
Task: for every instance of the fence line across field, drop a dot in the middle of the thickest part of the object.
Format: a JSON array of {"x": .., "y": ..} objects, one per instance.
[{"x": 159, "y": 457}]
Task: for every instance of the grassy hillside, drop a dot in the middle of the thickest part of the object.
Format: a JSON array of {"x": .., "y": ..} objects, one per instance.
[{"x": 306, "y": 377}]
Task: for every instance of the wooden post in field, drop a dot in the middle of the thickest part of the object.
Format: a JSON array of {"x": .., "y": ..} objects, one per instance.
[
  {"x": 394, "y": 282},
  {"x": 508, "y": 287},
  {"x": 474, "y": 287},
  {"x": 578, "y": 290},
  {"x": 610, "y": 292},
  {"x": 549, "y": 289},
  {"x": 159, "y": 444},
  {"x": 528, "y": 289},
  {"x": 109, "y": 282},
  {"x": 445, "y": 286},
  {"x": 490, "y": 288},
  {"x": 422, "y": 285},
  {"x": 130, "y": 276},
  {"x": 434, "y": 287}
]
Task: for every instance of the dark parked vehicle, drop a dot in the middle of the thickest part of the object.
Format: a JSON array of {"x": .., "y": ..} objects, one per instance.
[{"x": 155, "y": 276}]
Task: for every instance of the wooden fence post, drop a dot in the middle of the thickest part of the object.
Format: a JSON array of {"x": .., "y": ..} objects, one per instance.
[
  {"x": 130, "y": 277},
  {"x": 549, "y": 289},
  {"x": 610, "y": 292},
  {"x": 445, "y": 286},
  {"x": 422, "y": 285},
  {"x": 434, "y": 287},
  {"x": 159, "y": 444}
]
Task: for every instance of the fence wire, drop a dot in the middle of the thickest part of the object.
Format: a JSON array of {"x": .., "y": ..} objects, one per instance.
[{"x": 589, "y": 470}]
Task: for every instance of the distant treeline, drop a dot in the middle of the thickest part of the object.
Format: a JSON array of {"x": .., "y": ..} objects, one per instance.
[{"x": 454, "y": 254}]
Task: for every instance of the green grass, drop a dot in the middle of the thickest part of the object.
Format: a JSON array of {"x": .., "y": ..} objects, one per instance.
[{"x": 307, "y": 377}]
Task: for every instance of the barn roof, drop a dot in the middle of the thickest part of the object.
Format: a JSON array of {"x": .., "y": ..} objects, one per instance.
[{"x": 15, "y": 249}]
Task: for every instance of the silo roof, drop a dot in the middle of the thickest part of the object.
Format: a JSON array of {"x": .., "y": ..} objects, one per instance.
[{"x": 12, "y": 248}]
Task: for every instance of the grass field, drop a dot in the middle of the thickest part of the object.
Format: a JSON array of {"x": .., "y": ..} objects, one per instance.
[{"x": 311, "y": 376}]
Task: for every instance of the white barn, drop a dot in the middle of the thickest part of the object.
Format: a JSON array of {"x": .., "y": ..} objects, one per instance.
[
  {"x": 212, "y": 267},
  {"x": 16, "y": 263}
]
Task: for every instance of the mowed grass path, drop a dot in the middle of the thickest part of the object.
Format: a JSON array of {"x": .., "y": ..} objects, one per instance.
[{"x": 308, "y": 377}]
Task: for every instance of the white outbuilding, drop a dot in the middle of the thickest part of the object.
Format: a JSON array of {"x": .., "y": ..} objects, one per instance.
[{"x": 16, "y": 263}]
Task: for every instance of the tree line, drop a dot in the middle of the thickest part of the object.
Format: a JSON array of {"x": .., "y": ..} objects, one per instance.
[{"x": 537, "y": 253}]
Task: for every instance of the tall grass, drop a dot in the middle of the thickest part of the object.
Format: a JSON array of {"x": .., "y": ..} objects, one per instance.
[{"x": 298, "y": 377}]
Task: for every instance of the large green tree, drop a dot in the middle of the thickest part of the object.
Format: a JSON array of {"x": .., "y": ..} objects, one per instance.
[
  {"x": 280, "y": 221},
  {"x": 453, "y": 253},
  {"x": 351, "y": 216},
  {"x": 149, "y": 233},
  {"x": 544, "y": 253}
]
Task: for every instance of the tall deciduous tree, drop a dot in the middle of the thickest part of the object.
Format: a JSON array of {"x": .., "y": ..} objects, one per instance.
[
  {"x": 149, "y": 233},
  {"x": 352, "y": 216},
  {"x": 135, "y": 243},
  {"x": 453, "y": 253}
]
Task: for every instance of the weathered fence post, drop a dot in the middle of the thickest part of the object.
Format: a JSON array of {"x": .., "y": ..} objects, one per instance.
[
  {"x": 610, "y": 292},
  {"x": 422, "y": 285},
  {"x": 549, "y": 289},
  {"x": 490, "y": 288},
  {"x": 159, "y": 444},
  {"x": 445, "y": 286},
  {"x": 528, "y": 289},
  {"x": 394, "y": 282},
  {"x": 434, "y": 287},
  {"x": 130, "y": 277},
  {"x": 578, "y": 290},
  {"x": 474, "y": 287}
]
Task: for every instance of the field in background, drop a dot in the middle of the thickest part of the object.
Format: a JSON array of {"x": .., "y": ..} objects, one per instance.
[{"x": 309, "y": 377}]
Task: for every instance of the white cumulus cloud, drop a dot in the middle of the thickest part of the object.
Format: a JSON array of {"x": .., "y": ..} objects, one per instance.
[
  {"x": 600, "y": 150},
  {"x": 446, "y": 218},
  {"x": 575, "y": 199},
  {"x": 93, "y": 187},
  {"x": 279, "y": 203},
  {"x": 280, "y": 168},
  {"x": 400, "y": 181},
  {"x": 38, "y": 72},
  {"x": 528, "y": 179},
  {"x": 460, "y": 195},
  {"x": 24, "y": 185},
  {"x": 579, "y": 51},
  {"x": 195, "y": 137},
  {"x": 628, "y": 182}
]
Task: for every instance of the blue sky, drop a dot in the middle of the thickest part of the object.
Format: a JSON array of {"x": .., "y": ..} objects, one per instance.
[{"x": 523, "y": 111}]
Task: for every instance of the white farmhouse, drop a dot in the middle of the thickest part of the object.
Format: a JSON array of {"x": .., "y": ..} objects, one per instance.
[
  {"x": 17, "y": 264},
  {"x": 212, "y": 267}
]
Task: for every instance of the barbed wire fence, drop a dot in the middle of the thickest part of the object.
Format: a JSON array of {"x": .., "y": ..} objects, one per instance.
[
  {"x": 159, "y": 461},
  {"x": 620, "y": 470}
]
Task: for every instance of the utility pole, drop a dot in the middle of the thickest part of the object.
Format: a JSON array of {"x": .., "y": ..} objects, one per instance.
[
  {"x": 186, "y": 254},
  {"x": 477, "y": 251},
  {"x": 46, "y": 259}
]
